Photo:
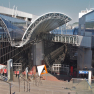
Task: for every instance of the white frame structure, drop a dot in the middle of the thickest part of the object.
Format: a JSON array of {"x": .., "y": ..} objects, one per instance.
[{"x": 45, "y": 23}]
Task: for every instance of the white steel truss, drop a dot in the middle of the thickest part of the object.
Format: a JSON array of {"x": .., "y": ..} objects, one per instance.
[{"x": 45, "y": 23}]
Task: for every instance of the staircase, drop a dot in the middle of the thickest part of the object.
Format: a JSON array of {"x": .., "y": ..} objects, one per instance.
[{"x": 55, "y": 54}]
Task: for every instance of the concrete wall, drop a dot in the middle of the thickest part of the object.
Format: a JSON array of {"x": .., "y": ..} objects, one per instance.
[
  {"x": 39, "y": 53},
  {"x": 84, "y": 58},
  {"x": 84, "y": 41}
]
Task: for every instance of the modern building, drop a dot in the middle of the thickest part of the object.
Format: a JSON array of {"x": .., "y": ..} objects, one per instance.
[
  {"x": 86, "y": 28},
  {"x": 30, "y": 40},
  {"x": 24, "y": 44},
  {"x": 83, "y": 12},
  {"x": 17, "y": 14},
  {"x": 14, "y": 22}
]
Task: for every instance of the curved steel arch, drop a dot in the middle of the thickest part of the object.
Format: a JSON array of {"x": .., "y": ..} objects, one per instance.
[
  {"x": 45, "y": 23},
  {"x": 2, "y": 23},
  {"x": 13, "y": 32}
]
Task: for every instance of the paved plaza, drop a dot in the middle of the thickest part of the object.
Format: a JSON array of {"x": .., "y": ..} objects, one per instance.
[{"x": 48, "y": 85}]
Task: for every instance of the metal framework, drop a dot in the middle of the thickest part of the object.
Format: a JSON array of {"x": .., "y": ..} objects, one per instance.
[
  {"x": 70, "y": 39},
  {"x": 3, "y": 25},
  {"x": 43, "y": 24}
]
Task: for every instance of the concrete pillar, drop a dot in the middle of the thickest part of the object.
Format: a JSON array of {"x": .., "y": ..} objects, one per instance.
[
  {"x": 38, "y": 53},
  {"x": 84, "y": 58},
  {"x": 33, "y": 54}
]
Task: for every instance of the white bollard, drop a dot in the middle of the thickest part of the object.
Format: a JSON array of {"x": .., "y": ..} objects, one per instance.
[{"x": 89, "y": 77}]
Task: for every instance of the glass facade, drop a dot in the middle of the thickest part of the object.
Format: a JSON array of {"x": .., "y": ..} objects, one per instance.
[
  {"x": 89, "y": 22},
  {"x": 11, "y": 31},
  {"x": 15, "y": 32},
  {"x": 19, "y": 55},
  {"x": 17, "y": 22},
  {"x": 89, "y": 25}
]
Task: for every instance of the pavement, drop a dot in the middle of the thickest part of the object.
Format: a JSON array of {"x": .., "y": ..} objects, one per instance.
[{"x": 50, "y": 84}]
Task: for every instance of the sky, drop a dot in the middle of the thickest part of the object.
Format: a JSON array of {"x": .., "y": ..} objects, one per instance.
[{"x": 40, "y": 7}]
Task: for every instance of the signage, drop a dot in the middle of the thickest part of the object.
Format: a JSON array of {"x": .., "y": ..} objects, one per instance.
[{"x": 83, "y": 72}]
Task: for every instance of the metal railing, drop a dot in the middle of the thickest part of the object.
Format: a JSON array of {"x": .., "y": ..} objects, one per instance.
[
  {"x": 4, "y": 78},
  {"x": 71, "y": 39},
  {"x": 28, "y": 84}
]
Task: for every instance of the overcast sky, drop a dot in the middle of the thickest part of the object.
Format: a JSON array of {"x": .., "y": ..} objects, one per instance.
[{"x": 40, "y": 7}]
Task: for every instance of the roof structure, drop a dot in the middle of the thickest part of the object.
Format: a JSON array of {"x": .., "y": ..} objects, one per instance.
[
  {"x": 44, "y": 23},
  {"x": 13, "y": 31}
]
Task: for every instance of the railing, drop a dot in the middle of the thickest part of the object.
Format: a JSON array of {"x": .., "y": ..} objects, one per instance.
[
  {"x": 76, "y": 40},
  {"x": 9, "y": 85},
  {"x": 28, "y": 84},
  {"x": 71, "y": 39},
  {"x": 4, "y": 78}
]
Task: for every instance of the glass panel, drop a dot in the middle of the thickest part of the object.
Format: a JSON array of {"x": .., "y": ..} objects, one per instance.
[
  {"x": 89, "y": 25},
  {"x": 15, "y": 32}
]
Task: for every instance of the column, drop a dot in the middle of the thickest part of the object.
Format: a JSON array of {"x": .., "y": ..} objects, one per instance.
[{"x": 38, "y": 53}]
